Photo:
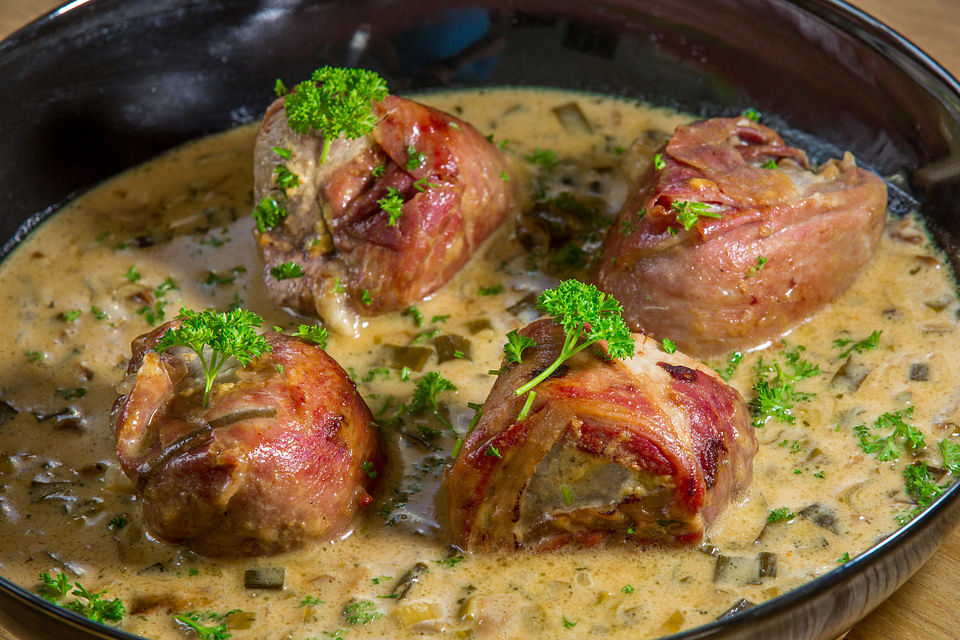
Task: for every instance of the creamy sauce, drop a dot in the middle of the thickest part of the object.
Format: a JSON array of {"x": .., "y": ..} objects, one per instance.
[{"x": 95, "y": 275}]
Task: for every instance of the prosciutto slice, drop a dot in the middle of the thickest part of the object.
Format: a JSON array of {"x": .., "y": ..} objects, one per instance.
[
  {"x": 648, "y": 450},
  {"x": 777, "y": 241},
  {"x": 455, "y": 187},
  {"x": 285, "y": 452}
]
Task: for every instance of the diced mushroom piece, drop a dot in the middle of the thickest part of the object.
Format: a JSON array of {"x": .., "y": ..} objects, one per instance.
[{"x": 264, "y": 578}]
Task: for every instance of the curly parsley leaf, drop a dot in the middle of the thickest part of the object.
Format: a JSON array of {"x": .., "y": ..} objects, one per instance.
[
  {"x": 268, "y": 214},
  {"x": 588, "y": 316},
  {"x": 515, "y": 346},
  {"x": 392, "y": 205},
  {"x": 222, "y": 335},
  {"x": 89, "y": 605},
  {"x": 886, "y": 447},
  {"x": 335, "y": 102},
  {"x": 780, "y": 515},
  {"x": 312, "y": 333},
  {"x": 286, "y": 270}
]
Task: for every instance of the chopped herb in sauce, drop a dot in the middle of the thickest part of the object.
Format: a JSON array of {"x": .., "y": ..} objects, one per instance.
[
  {"x": 286, "y": 270},
  {"x": 848, "y": 345}
]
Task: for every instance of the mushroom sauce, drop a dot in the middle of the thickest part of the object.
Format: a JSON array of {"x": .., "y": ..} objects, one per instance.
[{"x": 177, "y": 232}]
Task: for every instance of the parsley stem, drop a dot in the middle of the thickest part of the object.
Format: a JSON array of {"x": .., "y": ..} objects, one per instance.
[
  {"x": 326, "y": 149},
  {"x": 568, "y": 351}
]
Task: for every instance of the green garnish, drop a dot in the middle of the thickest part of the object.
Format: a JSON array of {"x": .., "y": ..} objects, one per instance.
[
  {"x": 415, "y": 314},
  {"x": 452, "y": 561},
  {"x": 70, "y": 394},
  {"x": 751, "y": 114},
  {"x": 192, "y": 619},
  {"x": 392, "y": 205},
  {"x": 268, "y": 214},
  {"x": 567, "y": 494},
  {"x": 89, "y": 605},
  {"x": 422, "y": 184},
  {"x": 414, "y": 158},
  {"x": 213, "y": 278},
  {"x": 98, "y": 313},
  {"x": 71, "y": 315},
  {"x": 132, "y": 275},
  {"x": 568, "y": 624},
  {"x": 546, "y": 158},
  {"x": 279, "y": 88},
  {"x": 116, "y": 523},
  {"x": 658, "y": 162},
  {"x": 490, "y": 291},
  {"x": 921, "y": 487},
  {"x": 627, "y": 589},
  {"x": 283, "y": 153},
  {"x": 378, "y": 171},
  {"x": 425, "y": 395},
  {"x": 886, "y": 447},
  {"x": 505, "y": 176},
  {"x": 35, "y": 356},
  {"x": 689, "y": 212},
  {"x": 769, "y": 164},
  {"x": 773, "y": 391},
  {"x": 310, "y": 601},
  {"x": 576, "y": 306},
  {"x": 312, "y": 333},
  {"x": 365, "y": 298},
  {"x": 515, "y": 346},
  {"x": 669, "y": 346},
  {"x": 222, "y": 335},
  {"x": 845, "y": 558},
  {"x": 284, "y": 178},
  {"x": 733, "y": 361},
  {"x": 335, "y": 102},
  {"x": 492, "y": 452},
  {"x": 868, "y": 343},
  {"x": 525, "y": 410},
  {"x": 950, "y": 451},
  {"x": 361, "y": 612},
  {"x": 752, "y": 271},
  {"x": 779, "y": 515},
  {"x": 368, "y": 469},
  {"x": 286, "y": 270}
]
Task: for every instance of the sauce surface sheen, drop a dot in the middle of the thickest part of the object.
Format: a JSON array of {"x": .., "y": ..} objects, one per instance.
[{"x": 177, "y": 232}]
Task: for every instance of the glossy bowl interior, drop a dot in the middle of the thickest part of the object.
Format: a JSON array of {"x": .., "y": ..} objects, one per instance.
[{"x": 102, "y": 85}]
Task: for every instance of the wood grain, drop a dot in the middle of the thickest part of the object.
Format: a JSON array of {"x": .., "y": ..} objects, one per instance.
[{"x": 928, "y": 606}]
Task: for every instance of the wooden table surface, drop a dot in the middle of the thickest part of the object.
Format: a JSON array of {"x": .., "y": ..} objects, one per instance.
[{"x": 928, "y": 606}]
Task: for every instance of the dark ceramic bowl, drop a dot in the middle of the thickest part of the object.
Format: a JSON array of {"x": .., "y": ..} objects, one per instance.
[{"x": 102, "y": 85}]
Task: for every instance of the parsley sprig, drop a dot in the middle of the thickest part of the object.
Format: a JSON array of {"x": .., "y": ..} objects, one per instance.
[
  {"x": 221, "y": 335},
  {"x": 774, "y": 393},
  {"x": 859, "y": 346},
  {"x": 588, "y": 316},
  {"x": 392, "y": 205},
  {"x": 886, "y": 447},
  {"x": 89, "y": 605},
  {"x": 335, "y": 102},
  {"x": 425, "y": 396}
]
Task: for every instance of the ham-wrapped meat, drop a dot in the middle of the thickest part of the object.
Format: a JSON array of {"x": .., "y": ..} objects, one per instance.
[
  {"x": 648, "y": 449},
  {"x": 446, "y": 188},
  {"x": 285, "y": 452},
  {"x": 730, "y": 239}
]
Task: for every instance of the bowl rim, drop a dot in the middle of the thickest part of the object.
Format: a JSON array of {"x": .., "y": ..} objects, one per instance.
[{"x": 839, "y": 14}]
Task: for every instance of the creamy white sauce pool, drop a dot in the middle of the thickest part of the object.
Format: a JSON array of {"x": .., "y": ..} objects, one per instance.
[{"x": 135, "y": 249}]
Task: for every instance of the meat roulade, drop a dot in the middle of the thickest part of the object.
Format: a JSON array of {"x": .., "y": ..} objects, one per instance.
[
  {"x": 385, "y": 219},
  {"x": 646, "y": 449},
  {"x": 730, "y": 238},
  {"x": 284, "y": 452}
]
